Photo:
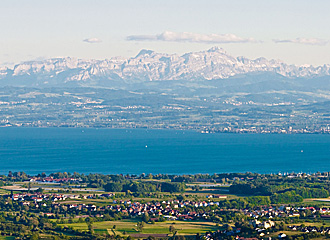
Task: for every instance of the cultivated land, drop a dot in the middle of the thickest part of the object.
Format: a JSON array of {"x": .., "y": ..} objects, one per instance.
[
  {"x": 219, "y": 206},
  {"x": 128, "y": 227}
]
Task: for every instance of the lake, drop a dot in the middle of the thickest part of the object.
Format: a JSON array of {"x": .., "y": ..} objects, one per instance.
[{"x": 135, "y": 151}]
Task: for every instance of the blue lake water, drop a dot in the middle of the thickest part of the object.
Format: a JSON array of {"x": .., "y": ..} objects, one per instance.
[{"x": 36, "y": 150}]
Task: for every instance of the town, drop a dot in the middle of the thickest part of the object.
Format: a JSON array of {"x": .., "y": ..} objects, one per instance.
[{"x": 108, "y": 108}]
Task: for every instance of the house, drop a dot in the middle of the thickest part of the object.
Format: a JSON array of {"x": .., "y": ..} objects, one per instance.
[
  {"x": 268, "y": 224},
  {"x": 15, "y": 197},
  {"x": 255, "y": 223},
  {"x": 170, "y": 217},
  {"x": 222, "y": 196},
  {"x": 25, "y": 203},
  {"x": 281, "y": 235},
  {"x": 48, "y": 214}
]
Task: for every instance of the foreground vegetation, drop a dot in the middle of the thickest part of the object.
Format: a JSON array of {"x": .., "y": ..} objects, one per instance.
[{"x": 218, "y": 206}]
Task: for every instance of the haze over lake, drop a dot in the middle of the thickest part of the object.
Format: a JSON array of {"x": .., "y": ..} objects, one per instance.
[{"x": 136, "y": 151}]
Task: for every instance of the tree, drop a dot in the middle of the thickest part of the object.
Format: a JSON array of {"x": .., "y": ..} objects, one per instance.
[
  {"x": 196, "y": 188},
  {"x": 35, "y": 236},
  {"x": 113, "y": 187},
  {"x": 198, "y": 237},
  {"x": 179, "y": 237},
  {"x": 172, "y": 229},
  {"x": 180, "y": 197},
  {"x": 173, "y": 187},
  {"x": 90, "y": 227},
  {"x": 229, "y": 228},
  {"x": 39, "y": 190},
  {"x": 145, "y": 217},
  {"x": 88, "y": 220},
  {"x": 140, "y": 226}
]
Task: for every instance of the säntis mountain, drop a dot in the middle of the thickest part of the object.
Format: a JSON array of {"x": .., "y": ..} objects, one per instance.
[{"x": 146, "y": 67}]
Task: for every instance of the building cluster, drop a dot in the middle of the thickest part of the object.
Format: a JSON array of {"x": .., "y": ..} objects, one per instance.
[
  {"x": 174, "y": 209},
  {"x": 285, "y": 211},
  {"x": 53, "y": 180},
  {"x": 39, "y": 197},
  {"x": 310, "y": 229},
  {"x": 261, "y": 219},
  {"x": 170, "y": 210}
]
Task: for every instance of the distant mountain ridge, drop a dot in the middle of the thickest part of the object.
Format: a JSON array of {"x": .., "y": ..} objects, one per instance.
[{"x": 148, "y": 66}]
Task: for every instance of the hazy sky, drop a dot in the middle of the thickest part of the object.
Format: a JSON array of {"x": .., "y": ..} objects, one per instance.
[{"x": 295, "y": 31}]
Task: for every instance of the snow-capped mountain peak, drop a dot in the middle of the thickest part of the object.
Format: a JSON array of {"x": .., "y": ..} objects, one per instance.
[{"x": 148, "y": 65}]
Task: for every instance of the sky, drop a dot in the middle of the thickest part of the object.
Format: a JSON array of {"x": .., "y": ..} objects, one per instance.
[{"x": 294, "y": 31}]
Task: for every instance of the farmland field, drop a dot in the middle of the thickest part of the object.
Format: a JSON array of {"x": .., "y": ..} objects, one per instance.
[{"x": 126, "y": 227}]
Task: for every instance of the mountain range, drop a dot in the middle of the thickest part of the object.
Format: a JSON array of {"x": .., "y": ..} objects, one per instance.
[
  {"x": 149, "y": 66},
  {"x": 208, "y": 91}
]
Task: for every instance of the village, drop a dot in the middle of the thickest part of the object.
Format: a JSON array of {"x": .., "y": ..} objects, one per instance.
[
  {"x": 261, "y": 219},
  {"x": 219, "y": 206}
]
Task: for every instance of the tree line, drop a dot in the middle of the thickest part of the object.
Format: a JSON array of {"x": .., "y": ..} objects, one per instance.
[{"x": 283, "y": 189}]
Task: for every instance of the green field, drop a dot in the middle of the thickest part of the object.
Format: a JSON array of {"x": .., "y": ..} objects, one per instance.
[
  {"x": 130, "y": 227},
  {"x": 324, "y": 200},
  {"x": 3, "y": 191},
  {"x": 6, "y": 238}
]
